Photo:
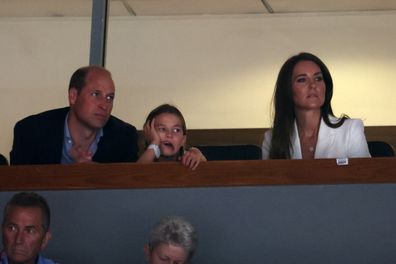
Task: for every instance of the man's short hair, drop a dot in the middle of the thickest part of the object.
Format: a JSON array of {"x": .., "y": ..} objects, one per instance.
[
  {"x": 78, "y": 78},
  {"x": 31, "y": 200}
]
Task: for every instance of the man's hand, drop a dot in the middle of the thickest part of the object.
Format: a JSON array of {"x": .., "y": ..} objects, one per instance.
[{"x": 79, "y": 155}]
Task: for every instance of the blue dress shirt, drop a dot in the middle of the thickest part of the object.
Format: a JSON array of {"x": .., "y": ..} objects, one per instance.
[{"x": 68, "y": 144}]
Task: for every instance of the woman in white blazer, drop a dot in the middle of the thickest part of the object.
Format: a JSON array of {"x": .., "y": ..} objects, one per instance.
[{"x": 304, "y": 125}]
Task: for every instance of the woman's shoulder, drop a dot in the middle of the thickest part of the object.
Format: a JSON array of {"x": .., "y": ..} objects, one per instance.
[
  {"x": 268, "y": 134},
  {"x": 348, "y": 122},
  {"x": 350, "y": 126}
]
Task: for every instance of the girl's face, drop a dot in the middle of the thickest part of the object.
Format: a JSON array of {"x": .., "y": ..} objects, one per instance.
[
  {"x": 308, "y": 86},
  {"x": 169, "y": 128}
]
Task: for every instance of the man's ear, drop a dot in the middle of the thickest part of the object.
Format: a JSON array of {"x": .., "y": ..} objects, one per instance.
[
  {"x": 46, "y": 239},
  {"x": 73, "y": 94},
  {"x": 146, "y": 250}
]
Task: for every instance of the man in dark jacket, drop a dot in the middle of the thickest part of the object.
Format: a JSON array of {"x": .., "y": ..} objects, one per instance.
[{"x": 83, "y": 132}]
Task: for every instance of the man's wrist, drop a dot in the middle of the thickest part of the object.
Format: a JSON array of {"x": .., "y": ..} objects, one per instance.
[{"x": 156, "y": 149}]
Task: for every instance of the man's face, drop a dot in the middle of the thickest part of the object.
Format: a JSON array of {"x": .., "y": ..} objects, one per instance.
[
  {"x": 92, "y": 106},
  {"x": 23, "y": 234}
]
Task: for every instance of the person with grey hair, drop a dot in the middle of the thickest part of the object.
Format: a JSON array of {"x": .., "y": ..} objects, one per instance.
[
  {"x": 173, "y": 240},
  {"x": 25, "y": 229}
]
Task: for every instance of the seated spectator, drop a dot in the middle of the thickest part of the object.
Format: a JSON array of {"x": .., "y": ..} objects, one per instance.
[
  {"x": 166, "y": 134},
  {"x": 172, "y": 240},
  {"x": 304, "y": 125},
  {"x": 25, "y": 229},
  {"x": 83, "y": 132}
]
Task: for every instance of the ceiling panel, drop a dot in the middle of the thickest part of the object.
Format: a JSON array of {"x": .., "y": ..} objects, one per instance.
[
  {"x": 56, "y": 8},
  {"x": 292, "y": 6},
  {"x": 45, "y": 8},
  {"x": 196, "y": 7}
]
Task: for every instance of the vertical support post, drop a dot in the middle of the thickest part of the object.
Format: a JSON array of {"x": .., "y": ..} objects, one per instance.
[
  {"x": 267, "y": 6},
  {"x": 98, "y": 32}
]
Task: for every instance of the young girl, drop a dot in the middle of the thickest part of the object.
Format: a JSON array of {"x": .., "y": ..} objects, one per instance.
[{"x": 166, "y": 133}]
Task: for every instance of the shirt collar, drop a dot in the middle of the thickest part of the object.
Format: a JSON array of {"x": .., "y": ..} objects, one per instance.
[{"x": 99, "y": 133}]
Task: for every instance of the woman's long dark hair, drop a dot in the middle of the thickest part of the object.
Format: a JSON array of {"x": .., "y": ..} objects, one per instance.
[{"x": 284, "y": 115}]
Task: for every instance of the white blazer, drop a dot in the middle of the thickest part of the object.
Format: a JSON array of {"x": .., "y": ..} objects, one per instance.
[{"x": 346, "y": 141}]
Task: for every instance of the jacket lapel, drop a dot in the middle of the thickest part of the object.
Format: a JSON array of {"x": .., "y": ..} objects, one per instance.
[
  {"x": 325, "y": 141},
  {"x": 296, "y": 145}
]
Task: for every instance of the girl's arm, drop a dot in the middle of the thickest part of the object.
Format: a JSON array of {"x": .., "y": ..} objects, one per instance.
[{"x": 151, "y": 135}]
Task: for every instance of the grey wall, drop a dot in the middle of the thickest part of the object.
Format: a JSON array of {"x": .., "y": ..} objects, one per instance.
[{"x": 269, "y": 224}]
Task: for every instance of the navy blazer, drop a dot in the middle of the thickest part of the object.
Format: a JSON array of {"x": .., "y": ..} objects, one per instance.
[{"x": 38, "y": 139}]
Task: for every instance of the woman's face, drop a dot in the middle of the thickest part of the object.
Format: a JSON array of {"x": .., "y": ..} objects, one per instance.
[
  {"x": 170, "y": 129},
  {"x": 166, "y": 254},
  {"x": 308, "y": 86}
]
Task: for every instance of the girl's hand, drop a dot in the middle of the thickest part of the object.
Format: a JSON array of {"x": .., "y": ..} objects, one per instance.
[
  {"x": 192, "y": 158},
  {"x": 151, "y": 134},
  {"x": 152, "y": 137}
]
